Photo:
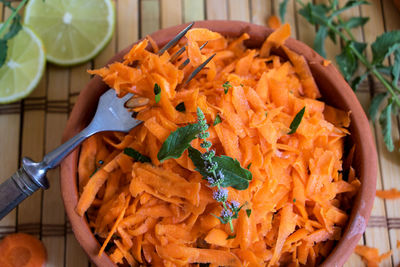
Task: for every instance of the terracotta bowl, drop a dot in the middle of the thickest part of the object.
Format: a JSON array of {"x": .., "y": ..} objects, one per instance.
[{"x": 335, "y": 92}]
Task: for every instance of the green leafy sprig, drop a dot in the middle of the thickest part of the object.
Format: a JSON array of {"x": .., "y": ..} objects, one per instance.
[
  {"x": 219, "y": 171},
  {"x": 330, "y": 24},
  {"x": 13, "y": 24}
]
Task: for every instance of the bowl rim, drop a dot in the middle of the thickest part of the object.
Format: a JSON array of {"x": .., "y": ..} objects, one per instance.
[{"x": 360, "y": 129}]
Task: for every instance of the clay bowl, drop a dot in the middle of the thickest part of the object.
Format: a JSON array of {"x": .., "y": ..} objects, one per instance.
[{"x": 335, "y": 92}]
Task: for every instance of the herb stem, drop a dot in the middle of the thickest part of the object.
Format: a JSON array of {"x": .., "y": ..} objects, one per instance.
[{"x": 12, "y": 16}]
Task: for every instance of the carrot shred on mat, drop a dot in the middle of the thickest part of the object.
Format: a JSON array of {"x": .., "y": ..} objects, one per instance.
[
  {"x": 273, "y": 22},
  {"x": 160, "y": 213},
  {"x": 388, "y": 194},
  {"x": 371, "y": 255}
]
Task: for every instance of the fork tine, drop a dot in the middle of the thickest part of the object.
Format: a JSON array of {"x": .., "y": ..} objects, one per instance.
[
  {"x": 199, "y": 68},
  {"x": 188, "y": 60},
  {"x": 175, "y": 39},
  {"x": 177, "y": 54}
]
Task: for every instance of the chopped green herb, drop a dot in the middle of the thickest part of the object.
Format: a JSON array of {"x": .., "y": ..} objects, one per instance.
[
  {"x": 294, "y": 200},
  {"x": 226, "y": 86},
  {"x": 217, "y": 120},
  {"x": 181, "y": 107},
  {"x": 296, "y": 121},
  {"x": 231, "y": 237},
  {"x": 266, "y": 113},
  {"x": 157, "y": 92},
  {"x": 178, "y": 141},
  {"x": 136, "y": 155},
  {"x": 248, "y": 212},
  {"x": 248, "y": 166},
  {"x": 241, "y": 85}
]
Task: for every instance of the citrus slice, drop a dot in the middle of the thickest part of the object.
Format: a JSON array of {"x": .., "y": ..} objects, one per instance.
[
  {"x": 72, "y": 31},
  {"x": 23, "y": 67}
]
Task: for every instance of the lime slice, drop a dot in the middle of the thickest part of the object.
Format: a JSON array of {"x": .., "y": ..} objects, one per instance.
[
  {"x": 73, "y": 31},
  {"x": 23, "y": 67}
]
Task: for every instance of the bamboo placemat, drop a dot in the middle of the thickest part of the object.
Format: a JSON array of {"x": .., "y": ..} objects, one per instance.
[{"x": 34, "y": 126}]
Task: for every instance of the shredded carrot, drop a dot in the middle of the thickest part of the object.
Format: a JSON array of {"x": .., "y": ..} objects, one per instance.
[
  {"x": 274, "y": 22},
  {"x": 371, "y": 255},
  {"x": 326, "y": 63},
  {"x": 388, "y": 194},
  {"x": 161, "y": 213},
  {"x": 22, "y": 250}
]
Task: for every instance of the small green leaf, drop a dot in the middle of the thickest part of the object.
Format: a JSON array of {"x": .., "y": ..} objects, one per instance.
[
  {"x": 178, "y": 141},
  {"x": 332, "y": 35},
  {"x": 294, "y": 200},
  {"x": 354, "y": 22},
  {"x": 248, "y": 166},
  {"x": 235, "y": 176},
  {"x": 355, "y": 83},
  {"x": 385, "y": 45},
  {"x": 248, "y": 212},
  {"x": 15, "y": 27},
  {"x": 348, "y": 5},
  {"x": 375, "y": 104},
  {"x": 226, "y": 86},
  {"x": 217, "y": 120},
  {"x": 219, "y": 218},
  {"x": 282, "y": 9},
  {"x": 3, "y": 51},
  {"x": 231, "y": 237},
  {"x": 296, "y": 121},
  {"x": 347, "y": 62},
  {"x": 385, "y": 120},
  {"x": 157, "y": 92},
  {"x": 396, "y": 67},
  {"x": 315, "y": 14},
  {"x": 136, "y": 155},
  {"x": 319, "y": 41},
  {"x": 181, "y": 107}
]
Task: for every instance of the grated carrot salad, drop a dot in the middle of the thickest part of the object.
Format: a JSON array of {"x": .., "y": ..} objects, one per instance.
[{"x": 160, "y": 213}]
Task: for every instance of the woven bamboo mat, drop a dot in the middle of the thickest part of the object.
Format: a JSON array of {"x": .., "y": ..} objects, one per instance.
[{"x": 34, "y": 126}]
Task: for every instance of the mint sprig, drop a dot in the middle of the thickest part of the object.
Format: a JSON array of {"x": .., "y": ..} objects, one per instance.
[
  {"x": 219, "y": 171},
  {"x": 327, "y": 18}
]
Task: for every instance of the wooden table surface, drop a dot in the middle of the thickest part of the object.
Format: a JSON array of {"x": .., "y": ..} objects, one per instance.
[{"x": 34, "y": 126}]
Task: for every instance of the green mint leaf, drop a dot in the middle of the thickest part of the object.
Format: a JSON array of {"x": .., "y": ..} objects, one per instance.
[
  {"x": 347, "y": 62},
  {"x": 248, "y": 166},
  {"x": 294, "y": 200},
  {"x": 14, "y": 28},
  {"x": 315, "y": 14},
  {"x": 348, "y": 5},
  {"x": 3, "y": 51},
  {"x": 375, "y": 104},
  {"x": 157, "y": 92},
  {"x": 360, "y": 47},
  {"x": 178, "y": 141},
  {"x": 332, "y": 35},
  {"x": 319, "y": 41},
  {"x": 219, "y": 218},
  {"x": 355, "y": 83},
  {"x": 226, "y": 86},
  {"x": 282, "y": 9},
  {"x": 231, "y": 237},
  {"x": 396, "y": 67},
  {"x": 235, "y": 175},
  {"x": 354, "y": 22},
  {"x": 217, "y": 120},
  {"x": 136, "y": 155},
  {"x": 384, "y": 69},
  {"x": 385, "y": 45},
  {"x": 248, "y": 212},
  {"x": 181, "y": 107},
  {"x": 296, "y": 121},
  {"x": 385, "y": 120}
]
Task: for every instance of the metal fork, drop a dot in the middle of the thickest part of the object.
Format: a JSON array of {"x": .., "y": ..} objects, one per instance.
[{"x": 111, "y": 115}]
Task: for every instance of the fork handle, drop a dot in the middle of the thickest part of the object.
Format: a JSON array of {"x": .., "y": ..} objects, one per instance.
[
  {"x": 18, "y": 187},
  {"x": 32, "y": 175}
]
